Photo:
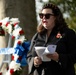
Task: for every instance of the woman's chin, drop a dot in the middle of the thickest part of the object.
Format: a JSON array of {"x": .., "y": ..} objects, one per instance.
[{"x": 45, "y": 26}]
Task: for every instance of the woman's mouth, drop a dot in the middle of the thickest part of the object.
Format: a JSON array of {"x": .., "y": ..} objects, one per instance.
[{"x": 44, "y": 21}]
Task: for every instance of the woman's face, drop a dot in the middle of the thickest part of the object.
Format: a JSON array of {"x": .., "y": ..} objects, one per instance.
[{"x": 47, "y": 19}]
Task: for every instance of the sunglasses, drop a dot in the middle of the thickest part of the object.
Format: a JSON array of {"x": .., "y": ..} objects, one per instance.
[{"x": 47, "y": 16}]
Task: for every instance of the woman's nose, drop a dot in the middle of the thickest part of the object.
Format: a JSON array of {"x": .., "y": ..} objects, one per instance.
[{"x": 44, "y": 17}]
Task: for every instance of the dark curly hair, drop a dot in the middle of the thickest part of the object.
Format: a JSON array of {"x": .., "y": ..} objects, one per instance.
[{"x": 60, "y": 23}]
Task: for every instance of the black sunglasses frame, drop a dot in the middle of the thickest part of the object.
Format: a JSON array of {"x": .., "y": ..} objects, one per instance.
[{"x": 47, "y": 16}]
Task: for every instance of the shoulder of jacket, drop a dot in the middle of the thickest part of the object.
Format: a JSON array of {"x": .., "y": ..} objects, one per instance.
[
  {"x": 70, "y": 33},
  {"x": 34, "y": 37}
]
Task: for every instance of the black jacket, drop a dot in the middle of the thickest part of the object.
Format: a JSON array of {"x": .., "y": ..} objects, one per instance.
[{"x": 66, "y": 48}]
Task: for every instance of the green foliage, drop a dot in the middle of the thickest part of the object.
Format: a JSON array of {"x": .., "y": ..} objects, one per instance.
[{"x": 72, "y": 22}]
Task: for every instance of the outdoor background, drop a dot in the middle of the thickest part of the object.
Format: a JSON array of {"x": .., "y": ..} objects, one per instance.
[{"x": 27, "y": 12}]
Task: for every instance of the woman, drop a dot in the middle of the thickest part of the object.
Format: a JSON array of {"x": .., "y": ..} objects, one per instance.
[{"x": 53, "y": 30}]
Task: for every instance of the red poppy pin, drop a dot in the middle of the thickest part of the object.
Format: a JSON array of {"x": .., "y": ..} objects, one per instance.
[{"x": 58, "y": 35}]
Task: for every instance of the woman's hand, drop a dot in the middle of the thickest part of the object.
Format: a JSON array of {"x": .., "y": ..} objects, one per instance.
[
  {"x": 54, "y": 56},
  {"x": 37, "y": 61}
]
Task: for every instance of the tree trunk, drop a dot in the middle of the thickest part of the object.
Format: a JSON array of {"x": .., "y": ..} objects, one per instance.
[{"x": 25, "y": 11}]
